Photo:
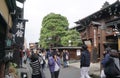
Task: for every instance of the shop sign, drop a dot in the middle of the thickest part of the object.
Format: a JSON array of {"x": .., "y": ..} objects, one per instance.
[{"x": 19, "y": 30}]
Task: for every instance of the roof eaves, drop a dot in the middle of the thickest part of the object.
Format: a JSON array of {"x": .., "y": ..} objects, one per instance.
[
  {"x": 67, "y": 47},
  {"x": 90, "y": 16}
]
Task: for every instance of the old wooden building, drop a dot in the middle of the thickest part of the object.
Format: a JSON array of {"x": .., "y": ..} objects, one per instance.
[
  {"x": 9, "y": 12},
  {"x": 100, "y": 29},
  {"x": 74, "y": 52}
]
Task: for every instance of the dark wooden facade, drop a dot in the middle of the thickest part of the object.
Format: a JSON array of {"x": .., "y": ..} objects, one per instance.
[
  {"x": 8, "y": 14},
  {"x": 74, "y": 52},
  {"x": 96, "y": 30}
]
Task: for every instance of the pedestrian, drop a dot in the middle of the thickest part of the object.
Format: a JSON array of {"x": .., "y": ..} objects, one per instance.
[
  {"x": 31, "y": 52},
  {"x": 36, "y": 67},
  {"x": 111, "y": 62},
  {"x": 58, "y": 53},
  {"x": 54, "y": 65},
  {"x": 49, "y": 53},
  {"x": 28, "y": 54},
  {"x": 24, "y": 59},
  {"x": 84, "y": 62},
  {"x": 105, "y": 58},
  {"x": 21, "y": 57},
  {"x": 65, "y": 58},
  {"x": 42, "y": 55},
  {"x": 42, "y": 62}
]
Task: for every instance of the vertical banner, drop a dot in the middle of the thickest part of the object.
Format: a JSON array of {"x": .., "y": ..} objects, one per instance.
[{"x": 18, "y": 32}]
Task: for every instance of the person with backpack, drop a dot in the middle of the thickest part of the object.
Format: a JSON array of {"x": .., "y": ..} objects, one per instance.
[{"x": 111, "y": 64}]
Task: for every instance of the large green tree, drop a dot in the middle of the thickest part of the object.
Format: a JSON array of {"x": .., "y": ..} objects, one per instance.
[
  {"x": 71, "y": 38},
  {"x": 54, "y": 31}
]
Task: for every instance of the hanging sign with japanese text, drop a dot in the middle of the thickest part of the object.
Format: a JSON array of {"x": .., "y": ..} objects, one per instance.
[{"x": 19, "y": 31}]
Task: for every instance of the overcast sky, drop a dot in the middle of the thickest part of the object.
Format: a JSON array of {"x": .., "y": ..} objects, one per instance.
[{"x": 74, "y": 10}]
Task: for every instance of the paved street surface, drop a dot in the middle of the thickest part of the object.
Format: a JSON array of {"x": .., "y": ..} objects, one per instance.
[
  {"x": 70, "y": 72},
  {"x": 94, "y": 67},
  {"x": 73, "y": 71}
]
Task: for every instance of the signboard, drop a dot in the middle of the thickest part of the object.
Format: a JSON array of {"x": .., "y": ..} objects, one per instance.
[
  {"x": 78, "y": 52},
  {"x": 19, "y": 31}
]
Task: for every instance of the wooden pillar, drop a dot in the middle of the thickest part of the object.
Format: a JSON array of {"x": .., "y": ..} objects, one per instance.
[{"x": 102, "y": 40}]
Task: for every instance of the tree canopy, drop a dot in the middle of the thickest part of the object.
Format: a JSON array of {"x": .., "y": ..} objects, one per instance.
[
  {"x": 54, "y": 31},
  {"x": 71, "y": 38}
]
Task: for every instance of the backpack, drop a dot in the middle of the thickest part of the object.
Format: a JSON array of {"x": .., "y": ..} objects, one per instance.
[{"x": 111, "y": 69}]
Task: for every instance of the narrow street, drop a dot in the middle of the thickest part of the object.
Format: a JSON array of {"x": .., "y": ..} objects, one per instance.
[
  {"x": 70, "y": 72},
  {"x": 73, "y": 71}
]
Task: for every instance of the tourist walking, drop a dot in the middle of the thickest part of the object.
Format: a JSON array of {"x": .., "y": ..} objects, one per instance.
[
  {"x": 42, "y": 62},
  {"x": 36, "y": 67},
  {"x": 65, "y": 58},
  {"x": 54, "y": 65},
  {"x": 49, "y": 53},
  {"x": 105, "y": 58},
  {"x": 58, "y": 53},
  {"x": 111, "y": 62},
  {"x": 28, "y": 54},
  {"x": 84, "y": 62},
  {"x": 24, "y": 59}
]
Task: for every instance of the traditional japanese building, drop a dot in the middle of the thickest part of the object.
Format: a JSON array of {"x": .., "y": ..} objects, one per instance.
[
  {"x": 74, "y": 52},
  {"x": 9, "y": 12},
  {"x": 100, "y": 29}
]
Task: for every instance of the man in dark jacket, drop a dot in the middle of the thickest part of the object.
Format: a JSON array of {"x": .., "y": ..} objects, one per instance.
[{"x": 85, "y": 62}]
